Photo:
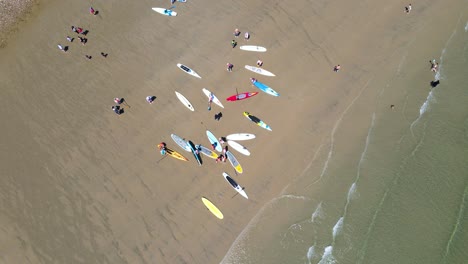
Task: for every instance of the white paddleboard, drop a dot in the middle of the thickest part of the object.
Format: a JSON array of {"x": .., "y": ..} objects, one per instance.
[
  {"x": 240, "y": 136},
  {"x": 259, "y": 70},
  {"x": 241, "y": 149},
  {"x": 181, "y": 142},
  {"x": 253, "y": 48},
  {"x": 215, "y": 99},
  {"x": 234, "y": 185},
  {"x": 164, "y": 11},
  {"x": 188, "y": 70},
  {"x": 184, "y": 101}
]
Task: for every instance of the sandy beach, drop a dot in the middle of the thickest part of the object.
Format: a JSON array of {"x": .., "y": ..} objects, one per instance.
[{"x": 84, "y": 185}]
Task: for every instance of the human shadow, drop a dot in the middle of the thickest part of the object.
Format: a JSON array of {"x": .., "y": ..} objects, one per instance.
[
  {"x": 218, "y": 116},
  {"x": 435, "y": 83},
  {"x": 85, "y": 32}
]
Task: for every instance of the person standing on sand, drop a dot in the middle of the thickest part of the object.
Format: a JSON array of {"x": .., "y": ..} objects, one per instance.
[
  {"x": 229, "y": 67},
  {"x": 236, "y": 32},
  {"x": 233, "y": 43},
  {"x": 337, "y": 68},
  {"x": 259, "y": 63},
  {"x": 246, "y": 36}
]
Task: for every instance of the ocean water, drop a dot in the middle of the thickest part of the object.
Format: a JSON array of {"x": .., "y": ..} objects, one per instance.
[{"x": 400, "y": 197}]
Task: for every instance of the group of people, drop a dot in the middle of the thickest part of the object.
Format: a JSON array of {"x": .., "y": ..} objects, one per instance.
[{"x": 83, "y": 39}]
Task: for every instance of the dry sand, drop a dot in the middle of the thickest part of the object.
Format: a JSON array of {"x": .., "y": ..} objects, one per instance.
[{"x": 81, "y": 184}]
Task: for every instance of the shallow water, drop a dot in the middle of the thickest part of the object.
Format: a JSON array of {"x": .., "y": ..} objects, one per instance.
[{"x": 400, "y": 196}]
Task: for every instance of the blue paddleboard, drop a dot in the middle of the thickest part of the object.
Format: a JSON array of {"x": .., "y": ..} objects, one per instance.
[{"x": 265, "y": 88}]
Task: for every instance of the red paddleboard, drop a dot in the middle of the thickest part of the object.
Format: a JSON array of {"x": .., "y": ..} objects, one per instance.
[{"x": 241, "y": 96}]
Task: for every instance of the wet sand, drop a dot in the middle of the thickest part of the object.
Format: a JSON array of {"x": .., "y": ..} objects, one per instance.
[{"x": 82, "y": 185}]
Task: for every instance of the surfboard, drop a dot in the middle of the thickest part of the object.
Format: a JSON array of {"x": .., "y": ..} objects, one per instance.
[
  {"x": 241, "y": 96},
  {"x": 234, "y": 185},
  {"x": 259, "y": 70},
  {"x": 253, "y": 48},
  {"x": 240, "y": 136},
  {"x": 188, "y": 70},
  {"x": 164, "y": 11},
  {"x": 195, "y": 152},
  {"x": 235, "y": 164},
  {"x": 213, "y": 209},
  {"x": 241, "y": 149},
  {"x": 175, "y": 154},
  {"x": 206, "y": 151},
  {"x": 257, "y": 121},
  {"x": 265, "y": 88},
  {"x": 214, "y": 141},
  {"x": 212, "y": 97},
  {"x": 181, "y": 142},
  {"x": 184, "y": 101}
]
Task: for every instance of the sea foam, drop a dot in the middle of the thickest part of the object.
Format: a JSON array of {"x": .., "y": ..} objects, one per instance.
[
  {"x": 328, "y": 256},
  {"x": 317, "y": 213}
]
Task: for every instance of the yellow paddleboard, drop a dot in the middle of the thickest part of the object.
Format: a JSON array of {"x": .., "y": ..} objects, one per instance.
[{"x": 213, "y": 209}]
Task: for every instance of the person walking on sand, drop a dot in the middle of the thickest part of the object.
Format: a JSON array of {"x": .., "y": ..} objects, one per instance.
[
  {"x": 229, "y": 67},
  {"x": 337, "y": 68},
  {"x": 259, "y": 63},
  {"x": 434, "y": 65},
  {"x": 92, "y": 11},
  {"x": 408, "y": 9},
  {"x": 62, "y": 48}
]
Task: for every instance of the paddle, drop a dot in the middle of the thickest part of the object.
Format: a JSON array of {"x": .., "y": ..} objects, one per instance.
[
  {"x": 171, "y": 7},
  {"x": 161, "y": 159},
  {"x": 237, "y": 193}
]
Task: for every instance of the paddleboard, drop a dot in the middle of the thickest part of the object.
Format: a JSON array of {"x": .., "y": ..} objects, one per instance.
[
  {"x": 264, "y": 87},
  {"x": 241, "y": 149},
  {"x": 214, "y": 141},
  {"x": 175, "y": 154},
  {"x": 259, "y": 70},
  {"x": 184, "y": 101},
  {"x": 234, "y": 162},
  {"x": 213, "y": 209},
  {"x": 241, "y": 96},
  {"x": 188, "y": 70},
  {"x": 257, "y": 121},
  {"x": 253, "y": 48},
  {"x": 181, "y": 142},
  {"x": 212, "y": 97},
  {"x": 195, "y": 152},
  {"x": 240, "y": 136},
  {"x": 164, "y": 11},
  {"x": 206, "y": 151},
  {"x": 234, "y": 185}
]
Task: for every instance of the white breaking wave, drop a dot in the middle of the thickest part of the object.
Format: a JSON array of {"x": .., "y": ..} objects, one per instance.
[
  {"x": 317, "y": 213},
  {"x": 466, "y": 27},
  {"x": 337, "y": 228},
  {"x": 311, "y": 254},
  {"x": 351, "y": 192},
  {"x": 328, "y": 256}
]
